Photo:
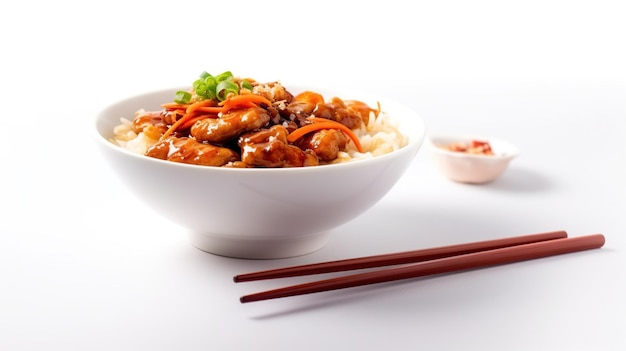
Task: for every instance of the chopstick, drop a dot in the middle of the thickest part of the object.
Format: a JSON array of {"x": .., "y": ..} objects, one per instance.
[
  {"x": 399, "y": 257},
  {"x": 461, "y": 262}
]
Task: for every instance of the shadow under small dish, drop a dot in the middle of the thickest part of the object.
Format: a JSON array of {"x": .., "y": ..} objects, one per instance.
[{"x": 471, "y": 167}]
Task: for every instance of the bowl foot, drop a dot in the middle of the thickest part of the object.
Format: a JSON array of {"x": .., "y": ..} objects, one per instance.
[{"x": 259, "y": 248}]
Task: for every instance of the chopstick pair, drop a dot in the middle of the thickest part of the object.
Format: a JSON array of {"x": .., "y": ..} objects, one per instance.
[{"x": 424, "y": 262}]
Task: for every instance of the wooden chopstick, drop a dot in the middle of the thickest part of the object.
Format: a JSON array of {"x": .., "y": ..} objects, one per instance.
[
  {"x": 398, "y": 258},
  {"x": 461, "y": 262}
]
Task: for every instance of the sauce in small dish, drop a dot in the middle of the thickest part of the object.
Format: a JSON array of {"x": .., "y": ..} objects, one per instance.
[{"x": 472, "y": 160}]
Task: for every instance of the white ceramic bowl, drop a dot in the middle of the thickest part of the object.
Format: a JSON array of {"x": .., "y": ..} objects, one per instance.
[
  {"x": 258, "y": 213},
  {"x": 471, "y": 168}
]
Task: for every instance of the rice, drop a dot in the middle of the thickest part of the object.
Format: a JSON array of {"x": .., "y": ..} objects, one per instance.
[
  {"x": 380, "y": 136},
  {"x": 125, "y": 136}
]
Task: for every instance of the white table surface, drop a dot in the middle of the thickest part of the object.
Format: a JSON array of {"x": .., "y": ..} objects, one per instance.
[{"x": 85, "y": 266}]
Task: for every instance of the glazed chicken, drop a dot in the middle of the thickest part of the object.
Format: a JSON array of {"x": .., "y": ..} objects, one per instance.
[
  {"x": 269, "y": 148},
  {"x": 152, "y": 123},
  {"x": 189, "y": 150},
  {"x": 230, "y": 125},
  {"x": 326, "y": 143},
  {"x": 267, "y": 126},
  {"x": 351, "y": 113}
]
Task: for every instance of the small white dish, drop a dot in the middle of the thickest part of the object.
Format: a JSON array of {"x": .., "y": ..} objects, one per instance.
[{"x": 471, "y": 168}]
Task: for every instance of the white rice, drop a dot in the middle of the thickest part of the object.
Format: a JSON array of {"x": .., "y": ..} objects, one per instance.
[
  {"x": 380, "y": 136},
  {"x": 124, "y": 135}
]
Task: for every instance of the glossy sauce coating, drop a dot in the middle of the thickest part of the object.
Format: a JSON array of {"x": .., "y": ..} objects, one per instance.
[{"x": 256, "y": 135}]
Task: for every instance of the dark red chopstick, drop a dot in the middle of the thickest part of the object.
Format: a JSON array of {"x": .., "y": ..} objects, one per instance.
[
  {"x": 399, "y": 257},
  {"x": 462, "y": 262}
]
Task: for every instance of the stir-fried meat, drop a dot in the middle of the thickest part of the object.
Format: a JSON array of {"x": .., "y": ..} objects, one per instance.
[
  {"x": 337, "y": 110},
  {"x": 189, "y": 150},
  {"x": 303, "y": 106},
  {"x": 310, "y": 97},
  {"x": 151, "y": 123},
  {"x": 325, "y": 143},
  {"x": 361, "y": 108},
  {"x": 273, "y": 91},
  {"x": 294, "y": 115},
  {"x": 230, "y": 125},
  {"x": 251, "y": 131},
  {"x": 352, "y": 114},
  {"x": 269, "y": 148},
  {"x": 300, "y": 109}
]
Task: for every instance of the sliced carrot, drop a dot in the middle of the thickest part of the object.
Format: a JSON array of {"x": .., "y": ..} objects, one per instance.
[
  {"x": 244, "y": 100},
  {"x": 210, "y": 109},
  {"x": 175, "y": 125},
  {"x": 323, "y": 123},
  {"x": 196, "y": 105},
  {"x": 174, "y": 106},
  {"x": 192, "y": 120},
  {"x": 239, "y": 106}
]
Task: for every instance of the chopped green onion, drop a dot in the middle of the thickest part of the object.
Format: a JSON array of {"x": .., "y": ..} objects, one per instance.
[
  {"x": 246, "y": 85},
  {"x": 205, "y": 87},
  {"x": 228, "y": 75},
  {"x": 208, "y": 87},
  {"x": 182, "y": 97},
  {"x": 225, "y": 88},
  {"x": 205, "y": 74}
]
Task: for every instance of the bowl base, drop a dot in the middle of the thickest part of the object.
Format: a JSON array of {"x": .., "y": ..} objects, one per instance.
[{"x": 262, "y": 248}]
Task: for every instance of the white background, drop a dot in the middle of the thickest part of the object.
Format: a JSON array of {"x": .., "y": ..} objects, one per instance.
[{"x": 84, "y": 266}]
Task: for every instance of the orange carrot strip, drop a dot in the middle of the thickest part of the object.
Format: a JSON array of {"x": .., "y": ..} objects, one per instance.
[
  {"x": 196, "y": 105},
  {"x": 323, "y": 123},
  {"x": 238, "y": 106},
  {"x": 192, "y": 120},
  {"x": 175, "y": 125},
  {"x": 210, "y": 109},
  {"x": 244, "y": 100},
  {"x": 174, "y": 106}
]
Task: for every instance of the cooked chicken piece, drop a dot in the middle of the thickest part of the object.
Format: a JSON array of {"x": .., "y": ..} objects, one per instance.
[
  {"x": 230, "y": 125},
  {"x": 325, "y": 143},
  {"x": 351, "y": 113},
  {"x": 151, "y": 123},
  {"x": 303, "y": 106},
  {"x": 361, "y": 108},
  {"x": 269, "y": 148},
  {"x": 274, "y": 92},
  {"x": 337, "y": 110},
  {"x": 189, "y": 150}
]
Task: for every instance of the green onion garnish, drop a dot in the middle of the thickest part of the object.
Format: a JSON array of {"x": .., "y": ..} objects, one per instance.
[
  {"x": 225, "y": 88},
  {"x": 246, "y": 85},
  {"x": 228, "y": 75},
  {"x": 209, "y": 87},
  {"x": 205, "y": 87},
  {"x": 182, "y": 97}
]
